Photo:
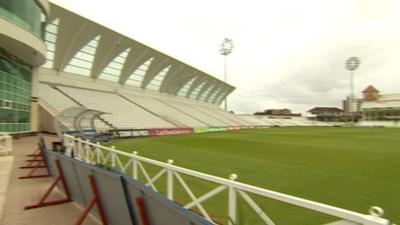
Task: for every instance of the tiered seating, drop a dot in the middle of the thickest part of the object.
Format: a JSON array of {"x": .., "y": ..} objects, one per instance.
[
  {"x": 190, "y": 110},
  {"x": 58, "y": 101},
  {"x": 293, "y": 121},
  {"x": 301, "y": 121},
  {"x": 217, "y": 112},
  {"x": 271, "y": 122},
  {"x": 284, "y": 122},
  {"x": 378, "y": 124},
  {"x": 123, "y": 114},
  {"x": 165, "y": 111},
  {"x": 146, "y": 110},
  {"x": 254, "y": 120}
]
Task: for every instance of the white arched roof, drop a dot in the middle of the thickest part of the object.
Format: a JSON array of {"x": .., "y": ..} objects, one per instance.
[{"x": 78, "y": 45}]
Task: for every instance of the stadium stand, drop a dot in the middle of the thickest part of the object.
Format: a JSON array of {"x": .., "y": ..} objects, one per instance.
[
  {"x": 155, "y": 91},
  {"x": 271, "y": 122},
  {"x": 212, "y": 112},
  {"x": 138, "y": 86},
  {"x": 153, "y": 110},
  {"x": 253, "y": 120},
  {"x": 190, "y": 110},
  {"x": 378, "y": 124},
  {"x": 165, "y": 111},
  {"x": 136, "y": 110},
  {"x": 230, "y": 116},
  {"x": 123, "y": 114},
  {"x": 301, "y": 121},
  {"x": 53, "y": 100},
  {"x": 287, "y": 121}
]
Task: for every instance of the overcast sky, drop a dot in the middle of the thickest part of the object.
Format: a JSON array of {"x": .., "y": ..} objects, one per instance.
[{"x": 288, "y": 53}]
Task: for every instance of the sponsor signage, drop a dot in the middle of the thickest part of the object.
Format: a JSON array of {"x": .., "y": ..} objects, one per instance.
[
  {"x": 130, "y": 133},
  {"x": 170, "y": 131}
]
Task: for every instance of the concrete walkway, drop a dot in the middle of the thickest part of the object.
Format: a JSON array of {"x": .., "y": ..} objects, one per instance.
[
  {"x": 6, "y": 163},
  {"x": 25, "y": 192}
]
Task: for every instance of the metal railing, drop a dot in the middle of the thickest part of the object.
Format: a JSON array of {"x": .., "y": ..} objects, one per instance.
[
  {"x": 5, "y": 144},
  {"x": 97, "y": 154}
]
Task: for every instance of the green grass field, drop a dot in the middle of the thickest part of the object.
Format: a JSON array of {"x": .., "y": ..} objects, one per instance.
[{"x": 352, "y": 168}]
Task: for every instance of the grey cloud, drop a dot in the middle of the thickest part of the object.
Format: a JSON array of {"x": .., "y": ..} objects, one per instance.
[{"x": 323, "y": 82}]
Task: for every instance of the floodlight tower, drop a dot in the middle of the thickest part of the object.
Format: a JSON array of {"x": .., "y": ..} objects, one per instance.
[
  {"x": 352, "y": 64},
  {"x": 226, "y": 49}
]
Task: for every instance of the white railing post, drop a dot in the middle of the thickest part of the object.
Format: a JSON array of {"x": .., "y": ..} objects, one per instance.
[
  {"x": 232, "y": 201},
  {"x": 87, "y": 152},
  {"x": 78, "y": 151},
  {"x": 68, "y": 150},
  {"x": 97, "y": 151},
  {"x": 134, "y": 166},
  {"x": 65, "y": 140},
  {"x": 69, "y": 145},
  {"x": 170, "y": 181},
  {"x": 113, "y": 156},
  {"x": 375, "y": 214},
  {"x": 79, "y": 144}
]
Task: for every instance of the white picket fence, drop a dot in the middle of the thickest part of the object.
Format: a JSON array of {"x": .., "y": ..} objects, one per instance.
[
  {"x": 98, "y": 154},
  {"x": 5, "y": 144}
]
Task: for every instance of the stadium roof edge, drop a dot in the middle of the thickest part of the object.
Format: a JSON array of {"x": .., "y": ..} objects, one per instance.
[{"x": 140, "y": 43}]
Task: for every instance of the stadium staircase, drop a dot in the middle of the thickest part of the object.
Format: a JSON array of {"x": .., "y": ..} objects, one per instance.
[
  {"x": 224, "y": 120},
  {"x": 189, "y": 109},
  {"x": 231, "y": 117},
  {"x": 159, "y": 108},
  {"x": 53, "y": 102},
  {"x": 186, "y": 113},
  {"x": 172, "y": 121},
  {"x": 80, "y": 104},
  {"x": 68, "y": 96},
  {"x": 253, "y": 120},
  {"x": 122, "y": 113},
  {"x": 144, "y": 108}
]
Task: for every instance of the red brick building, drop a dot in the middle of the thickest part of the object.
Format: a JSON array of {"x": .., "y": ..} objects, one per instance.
[{"x": 380, "y": 107}]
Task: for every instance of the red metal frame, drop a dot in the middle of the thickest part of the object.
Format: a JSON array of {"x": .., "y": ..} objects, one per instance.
[
  {"x": 34, "y": 153},
  {"x": 33, "y": 160},
  {"x": 94, "y": 200},
  {"x": 37, "y": 162},
  {"x": 37, "y": 157},
  {"x": 142, "y": 210},
  {"x": 30, "y": 167},
  {"x": 42, "y": 202}
]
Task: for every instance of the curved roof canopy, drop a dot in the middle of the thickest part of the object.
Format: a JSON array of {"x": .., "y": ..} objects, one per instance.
[{"x": 80, "y": 46}]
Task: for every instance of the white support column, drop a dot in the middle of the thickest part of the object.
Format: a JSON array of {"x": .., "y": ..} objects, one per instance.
[
  {"x": 232, "y": 202},
  {"x": 170, "y": 181},
  {"x": 34, "y": 114},
  {"x": 5, "y": 145},
  {"x": 8, "y": 142}
]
